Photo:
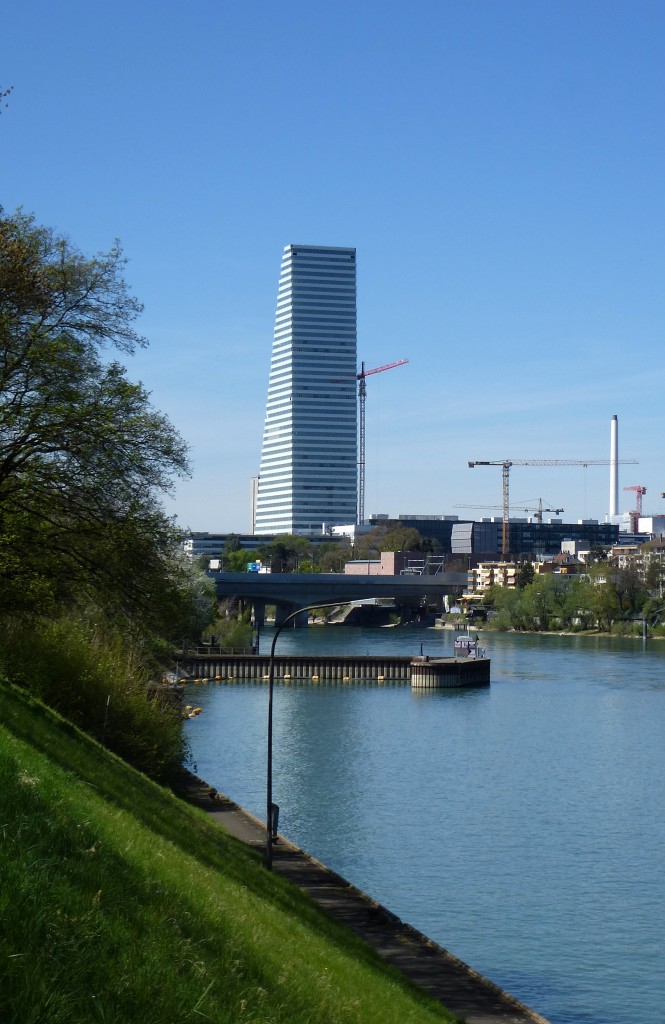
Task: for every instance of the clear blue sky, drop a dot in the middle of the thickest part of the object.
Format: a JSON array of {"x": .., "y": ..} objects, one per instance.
[{"x": 499, "y": 165}]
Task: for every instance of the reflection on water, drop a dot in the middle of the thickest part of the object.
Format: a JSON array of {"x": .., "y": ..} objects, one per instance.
[{"x": 519, "y": 825}]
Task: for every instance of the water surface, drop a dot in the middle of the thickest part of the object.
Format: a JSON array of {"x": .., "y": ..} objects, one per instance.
[{"x": 519, "y": 825}]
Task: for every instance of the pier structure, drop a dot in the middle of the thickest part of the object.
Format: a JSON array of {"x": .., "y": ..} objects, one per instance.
[{"x": 395, "y": 670}]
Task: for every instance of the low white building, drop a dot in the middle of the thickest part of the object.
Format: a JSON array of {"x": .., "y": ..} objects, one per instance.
[{"x": 655, "y": 525}]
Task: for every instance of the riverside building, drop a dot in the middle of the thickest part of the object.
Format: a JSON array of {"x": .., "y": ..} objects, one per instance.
[{"x": 308, "y": 478}]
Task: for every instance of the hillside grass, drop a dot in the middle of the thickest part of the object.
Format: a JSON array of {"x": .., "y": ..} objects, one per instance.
[
  {"x": 120, "y": 903},
  {"x": 99, "y": 680}
]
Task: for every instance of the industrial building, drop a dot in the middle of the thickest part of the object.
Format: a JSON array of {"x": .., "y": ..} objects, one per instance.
[
  {"x": 308, "y": 478},
  {"x": 528, "y": 538},
  {"x": 213, "y": 545}
]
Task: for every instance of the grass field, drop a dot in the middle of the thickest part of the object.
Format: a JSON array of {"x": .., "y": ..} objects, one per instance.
[{"x": 119, "y": 903}]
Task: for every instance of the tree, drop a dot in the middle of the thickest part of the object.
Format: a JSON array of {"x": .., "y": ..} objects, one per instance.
[
  {"x": 629, "y": 589},
  {"x": 236, "y": 561},
  {"x": 597, "y": 553},
  {"x": 604, "y": 602},
  {"x": 539, "y": 602},
  {"x": 654, "y": 575},
  {"x": 330, "y": 557},
  {"x": 284, "y": 553},
  {"x": 525, "y": 575},
  {"x": 369, "y": 545},
  {"x": 84, "y": 459},
  {"x": 402, "y": 538}
]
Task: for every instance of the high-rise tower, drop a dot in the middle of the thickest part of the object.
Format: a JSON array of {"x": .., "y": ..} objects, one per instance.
[{"x": 309, "y": 458}]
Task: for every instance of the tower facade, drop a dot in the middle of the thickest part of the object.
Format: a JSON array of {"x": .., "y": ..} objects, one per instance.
[{"x": 309, "y": 458}]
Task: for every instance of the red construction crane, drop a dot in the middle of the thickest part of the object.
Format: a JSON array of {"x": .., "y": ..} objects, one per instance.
[
  {"x": 362, "y": 395},
  {"x": 639, "y": 492}
]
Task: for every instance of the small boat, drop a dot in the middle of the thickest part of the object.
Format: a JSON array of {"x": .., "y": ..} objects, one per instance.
[{"x": 466, "y": 646}]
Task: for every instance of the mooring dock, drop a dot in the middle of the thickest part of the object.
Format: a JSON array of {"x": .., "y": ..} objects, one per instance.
[{"x": 419, "y": 672}]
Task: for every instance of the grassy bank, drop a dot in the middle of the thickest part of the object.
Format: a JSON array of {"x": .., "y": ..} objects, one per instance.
[{"x": 119, "y": 903}]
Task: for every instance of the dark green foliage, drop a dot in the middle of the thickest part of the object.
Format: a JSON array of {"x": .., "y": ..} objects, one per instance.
[
  {"x": 525, "y": 574},
  {"x": 606, "y": 598},
  {"x": 99, "y": 681},
  {"x": 92, "y": 587},
  {"x": 284, "y": 553},
  {"x": 83, "y": 456},
  {"x": 392, "y": 538},
  {"x": 332, "y": 556},
  {"x": 231, "y": 629},
  {"x": 236, "y": 561}
]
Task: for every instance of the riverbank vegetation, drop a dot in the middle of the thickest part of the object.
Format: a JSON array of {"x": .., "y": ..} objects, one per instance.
[
  {"x": 121, "y": 903},
  {"x": 606, "y": 599}
]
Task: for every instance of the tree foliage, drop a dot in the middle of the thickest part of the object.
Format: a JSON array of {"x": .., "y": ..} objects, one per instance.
[
  {"x": 284, "y": 553},
  {"x": 391, "y": 538},
  {"x": 84, "y": 458},
  {"x": 604, "y": 598},
  {"x": 332, "y": 556}
]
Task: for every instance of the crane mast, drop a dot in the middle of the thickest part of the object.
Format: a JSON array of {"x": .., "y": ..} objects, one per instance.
[{"x": 362, "y": 395}]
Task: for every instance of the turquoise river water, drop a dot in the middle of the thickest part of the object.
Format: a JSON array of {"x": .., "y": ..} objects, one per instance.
[{"x": 521, "y": 825}]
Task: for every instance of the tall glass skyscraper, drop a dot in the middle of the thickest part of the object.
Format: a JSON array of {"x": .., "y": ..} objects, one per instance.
[{"x": 309, "y": 459}]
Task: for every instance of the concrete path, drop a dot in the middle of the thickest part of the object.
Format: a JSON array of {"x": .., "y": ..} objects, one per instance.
[{"x": 435, "y": 970}]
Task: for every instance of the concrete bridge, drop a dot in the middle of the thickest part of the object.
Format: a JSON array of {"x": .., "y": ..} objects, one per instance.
[{"x": 289, "y": 591}]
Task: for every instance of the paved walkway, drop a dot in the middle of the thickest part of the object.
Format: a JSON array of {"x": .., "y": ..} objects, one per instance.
[{"x": 444, "y": 977}]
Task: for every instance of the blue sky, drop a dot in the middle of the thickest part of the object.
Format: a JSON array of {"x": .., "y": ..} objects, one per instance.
[{"x": 499, "y": 165}]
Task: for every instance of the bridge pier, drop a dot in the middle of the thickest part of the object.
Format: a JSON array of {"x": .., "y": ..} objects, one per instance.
[
  {"x": 259, "y": 613},
  {"x": 282, "y": 610}
]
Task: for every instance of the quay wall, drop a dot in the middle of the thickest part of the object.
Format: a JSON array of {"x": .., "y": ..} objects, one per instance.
[
  {"x": 444, "y": 673},
  {"x": 311, "y": 667},
  {"x": 421, "y": 673}
]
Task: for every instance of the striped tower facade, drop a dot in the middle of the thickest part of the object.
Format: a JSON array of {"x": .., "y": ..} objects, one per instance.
[{"x": 309, "y": 458}]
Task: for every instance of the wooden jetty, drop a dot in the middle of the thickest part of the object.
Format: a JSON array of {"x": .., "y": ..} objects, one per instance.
[{"x": 419, "y": 672}]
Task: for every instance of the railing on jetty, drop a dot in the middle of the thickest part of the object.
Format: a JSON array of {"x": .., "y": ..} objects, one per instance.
[
  {"x": 305, "y": 667},
  {"x": 420, "y": 672}
]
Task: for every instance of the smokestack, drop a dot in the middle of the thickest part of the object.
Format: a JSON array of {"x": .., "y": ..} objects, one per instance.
[{"x": 614, "y": 467}]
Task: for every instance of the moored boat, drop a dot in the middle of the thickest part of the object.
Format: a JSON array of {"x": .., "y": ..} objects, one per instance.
[{"x": 466, "y": 646}]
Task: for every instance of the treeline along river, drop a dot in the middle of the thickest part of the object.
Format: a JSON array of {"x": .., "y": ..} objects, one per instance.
[{"x": 521, "y": 826}]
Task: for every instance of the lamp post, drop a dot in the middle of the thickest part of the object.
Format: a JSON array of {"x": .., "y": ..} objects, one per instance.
[{"x": 272, "y": 810}]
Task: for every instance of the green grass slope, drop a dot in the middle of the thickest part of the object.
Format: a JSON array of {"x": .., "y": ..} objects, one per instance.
[{"x": 119, "y": 903}]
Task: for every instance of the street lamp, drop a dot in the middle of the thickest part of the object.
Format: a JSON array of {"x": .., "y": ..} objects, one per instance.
[{"x": 272, "y": 810}]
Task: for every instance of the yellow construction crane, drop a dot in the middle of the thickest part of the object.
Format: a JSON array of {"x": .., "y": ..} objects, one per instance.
[
  {"x": 536, "y": 512},
  {"x": 505, "y": 475}
]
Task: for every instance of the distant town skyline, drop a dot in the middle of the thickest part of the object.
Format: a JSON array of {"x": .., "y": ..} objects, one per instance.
[{"x": 497, "y": 167}]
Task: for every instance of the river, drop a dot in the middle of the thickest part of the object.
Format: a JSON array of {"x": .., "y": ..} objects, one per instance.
[{"x": 520, "y": 825}]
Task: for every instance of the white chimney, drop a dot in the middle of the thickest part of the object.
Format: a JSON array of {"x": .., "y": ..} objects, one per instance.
[{"x": 614, "y": 467}]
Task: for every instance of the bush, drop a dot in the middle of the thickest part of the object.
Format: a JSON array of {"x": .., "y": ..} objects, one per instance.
[{"x": 98, "y": 681}]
